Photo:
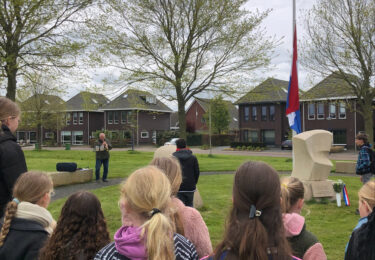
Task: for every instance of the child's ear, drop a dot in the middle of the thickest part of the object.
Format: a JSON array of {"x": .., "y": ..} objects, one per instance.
[{"x": 300, "y": 203}]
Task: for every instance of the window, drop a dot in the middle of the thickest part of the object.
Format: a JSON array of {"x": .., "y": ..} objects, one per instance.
[
  {"x": 114, "y": 135},
  {"x": 339, "y": 136},
  {"x": 48, "y": 135},
  {"x": 272, "y": 113},
  {"x": 66, "y": 137},
  {"x": 130, "y": 113},
  {"x": 77, "y": 137},
  {"x": 80, "y": 118},
  {"x": 245, "y": 135},
  {"x": 32, "y": 137},
  {"x": 67, "y": 118},
  {"x": 110, "y": 117},
  {"x": 268, "y": 137},
  {"x": 123, "y": 117},
  {"x": 342, "y": 110},
  {"x": 254, "y": 113},
  {"x": 144, "y": 134},
  {"x": 311, "y": 109},
  {"x": 203, "y": 120},
  {"x": 320, "y": 111},
  {"x": 75, "y": 118},
  {"x": 115, "y": 117},
  {"x": 254, "y": 137},
  {"x": 332, "y": 111},
  {"x": 264, "y": 113},
  {"x": 246, "y": 113}
]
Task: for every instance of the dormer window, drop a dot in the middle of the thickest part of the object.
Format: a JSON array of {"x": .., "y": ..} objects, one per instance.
[{"x": 151, "y": 100}]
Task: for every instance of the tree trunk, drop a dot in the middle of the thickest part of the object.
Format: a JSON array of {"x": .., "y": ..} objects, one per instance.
[
  {"x": 369, "y": 124},
  {"x": 181, "y": 117},
  {"x": 11, "y": 71}
]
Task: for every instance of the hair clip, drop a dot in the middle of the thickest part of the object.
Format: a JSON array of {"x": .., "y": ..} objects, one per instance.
[
  {"x": 16, "y": 200},
  {"x": 154, "y": 211},
  {"x": 254, "y": 212},
  {"x": 284, "y": 185}
]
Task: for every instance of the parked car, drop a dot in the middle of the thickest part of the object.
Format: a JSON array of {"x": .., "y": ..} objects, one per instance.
[
  {"x": 172, "y": 141},
  {"x": 287, "y": 144}
]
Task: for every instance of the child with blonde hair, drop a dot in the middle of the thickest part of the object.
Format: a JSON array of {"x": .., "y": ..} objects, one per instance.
[
  {"x": 362, "y": 241},
  {"x": 188, "y": 220},
  {"x": 147, "y": 231},
  {"x": 27, "y": 222},
  {"x": 304, "y": 244}
]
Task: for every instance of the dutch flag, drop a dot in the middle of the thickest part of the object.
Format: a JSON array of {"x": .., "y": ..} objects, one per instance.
[{"x": 292, "y": 102}]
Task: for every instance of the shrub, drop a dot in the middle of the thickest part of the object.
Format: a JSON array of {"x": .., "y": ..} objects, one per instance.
[
  {"x": 165, "y": 136},
  {"x": 194, "y": 139},
  {"x": 236, "y": 144}
]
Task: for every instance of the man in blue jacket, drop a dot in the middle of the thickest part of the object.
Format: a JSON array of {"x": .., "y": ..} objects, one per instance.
[
  {"x": 190, "y": 172},
  {"x": 363, "y": 166}
]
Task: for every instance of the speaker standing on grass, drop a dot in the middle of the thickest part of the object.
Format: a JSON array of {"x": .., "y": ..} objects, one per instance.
[
  {"x": 12, "y": 159},
  {"x": 102, "y": 148}
]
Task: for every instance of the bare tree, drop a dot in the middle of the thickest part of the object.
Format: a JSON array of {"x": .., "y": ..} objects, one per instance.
[
  {"x": 180, "y": 48},
  {"x": 34, "y": 34},
  {"x": 341, "y": 39}
]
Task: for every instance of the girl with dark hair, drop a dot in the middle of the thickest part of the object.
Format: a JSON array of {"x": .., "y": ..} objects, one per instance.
[
  {"x": 254, "y": 228},
  {"x": 27, "y": 223},
  {"x": 81, "y": 230},
  {"x": 304, "y": 244}
]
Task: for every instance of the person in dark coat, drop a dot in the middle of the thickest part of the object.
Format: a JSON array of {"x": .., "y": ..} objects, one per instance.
[
  {"x": 27, "y": 222},
  {"x": 12, "y": 159},
  {"x": 102, "y": 148},
  {"x": 190, "y": 172}
]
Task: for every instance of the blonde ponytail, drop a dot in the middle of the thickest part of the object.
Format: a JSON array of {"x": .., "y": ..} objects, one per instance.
[
  {"x": 291, "y": 191},
  {"x": 147, "y": 191}
]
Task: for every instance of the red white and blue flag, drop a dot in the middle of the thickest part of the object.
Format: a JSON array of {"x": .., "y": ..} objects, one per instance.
[
  {"x": 292, "y": 102},
  {"x": 345, "y": 195}
]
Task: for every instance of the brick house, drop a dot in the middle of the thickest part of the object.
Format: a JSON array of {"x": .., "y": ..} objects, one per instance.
[
  {"x": 139, "y": 112},
  {"x": 83, "y": 118},
  {"x": 199, "y": 107},
  {"x": 329, "y": 105},
  {"x": 47, "y": 107},
  {"x": 262, "y": 116}
]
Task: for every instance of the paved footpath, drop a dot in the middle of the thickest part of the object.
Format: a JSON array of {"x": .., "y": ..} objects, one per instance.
[{"x": 65, "y": 191}]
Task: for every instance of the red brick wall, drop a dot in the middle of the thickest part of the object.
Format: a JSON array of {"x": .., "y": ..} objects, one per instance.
[{"x": 194, "y": 115}]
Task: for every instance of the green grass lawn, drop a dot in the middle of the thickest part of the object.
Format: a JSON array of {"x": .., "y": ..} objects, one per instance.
[{"x": 332, "y": 225}]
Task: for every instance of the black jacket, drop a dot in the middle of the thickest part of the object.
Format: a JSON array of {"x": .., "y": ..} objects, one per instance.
[
  {"x": 101, "y": 152},
  {"x": 24, "y": 240},
  {"x": 190, "y": 169},
  {"x": 12, "y": 165}
]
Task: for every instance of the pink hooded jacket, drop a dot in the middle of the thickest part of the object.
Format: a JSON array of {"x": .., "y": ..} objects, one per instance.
[
  {"x": 194, "y": 227},
  {"x": 293, "y": 225}
]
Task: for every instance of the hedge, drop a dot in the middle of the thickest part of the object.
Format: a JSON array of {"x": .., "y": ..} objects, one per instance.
[{"x": 236, "y": 144}]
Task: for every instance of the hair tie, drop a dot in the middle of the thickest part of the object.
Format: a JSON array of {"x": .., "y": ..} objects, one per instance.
[
  {"x": 16, "y": 200},
  {"x": 284, "y": 185},
  {"x": 254, "y": 212},
  {"x": 154, "y": 211}
]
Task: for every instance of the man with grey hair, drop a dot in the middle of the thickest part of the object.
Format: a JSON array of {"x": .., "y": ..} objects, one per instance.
[{"x": 102, "y": 148}]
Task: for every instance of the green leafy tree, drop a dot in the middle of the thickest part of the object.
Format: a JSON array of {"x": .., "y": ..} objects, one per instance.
[
  {"x": 180, "y": 48},
  {"x": 35, "y": 35},
  {"x": 41, "y": 107},
  {"x": 340, "y": 39},
  {"x": 220, "y": 117}
]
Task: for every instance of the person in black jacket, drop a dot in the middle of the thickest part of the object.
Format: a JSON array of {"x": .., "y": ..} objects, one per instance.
[
  {"x": 27, "y": 223},
  {"x": 12, "y": 159},
  {"x": 190, "y": 172},
  {"x": 102, "y": 148}
]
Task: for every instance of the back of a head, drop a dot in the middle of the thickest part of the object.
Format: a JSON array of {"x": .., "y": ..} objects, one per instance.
[
  {"x": 256, "y": 185},
  {"x": 362, "y": 136},
  {"x": 8, "y": 108},
  {"x": 29, "y": 187},
  {"x": 181, "y": 143},
  {"x": 291, "y": 191},
  {"x": 172, "y": 169},
  {"x": 146, "y": 191},
  {"x": 82, "y": 225},
  {"x": 367, "y": 193}
]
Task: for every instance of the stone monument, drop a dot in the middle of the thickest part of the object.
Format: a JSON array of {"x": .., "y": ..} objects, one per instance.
[{"x": 311, "y": 163}]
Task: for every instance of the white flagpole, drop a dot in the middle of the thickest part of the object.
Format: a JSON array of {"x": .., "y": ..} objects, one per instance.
[{"x": 294, "y": 26}]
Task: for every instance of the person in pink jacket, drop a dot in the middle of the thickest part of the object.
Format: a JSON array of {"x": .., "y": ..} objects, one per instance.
[
  {"x": 304, "y": 244},
  {"x": 188, "y": 220}
]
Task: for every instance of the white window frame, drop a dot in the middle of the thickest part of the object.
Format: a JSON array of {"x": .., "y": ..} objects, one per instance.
[
  {"x": 74, "y": 137},
  {"x": 114, "y": 117},
  {"x": 274, "y": 113},
  {"x": 254, "y": 113},
  {"x": 318, "y": 115},
  {"x": 311, "y": 117},
  {"x": 75, "y": 118},
  {"x": 68, "y": 118},
  {"x": 332, "y": 115},
  {"x": 80, "y": 118},
  {"x": 64, "y": 133},
  {"x": 123, "y": 120},
  {"x": 342, "y": 105},
  {"x": 145, "y": 134},
  {"x": 110, "y": 122},
  {"x": 246, "y": 118}
]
